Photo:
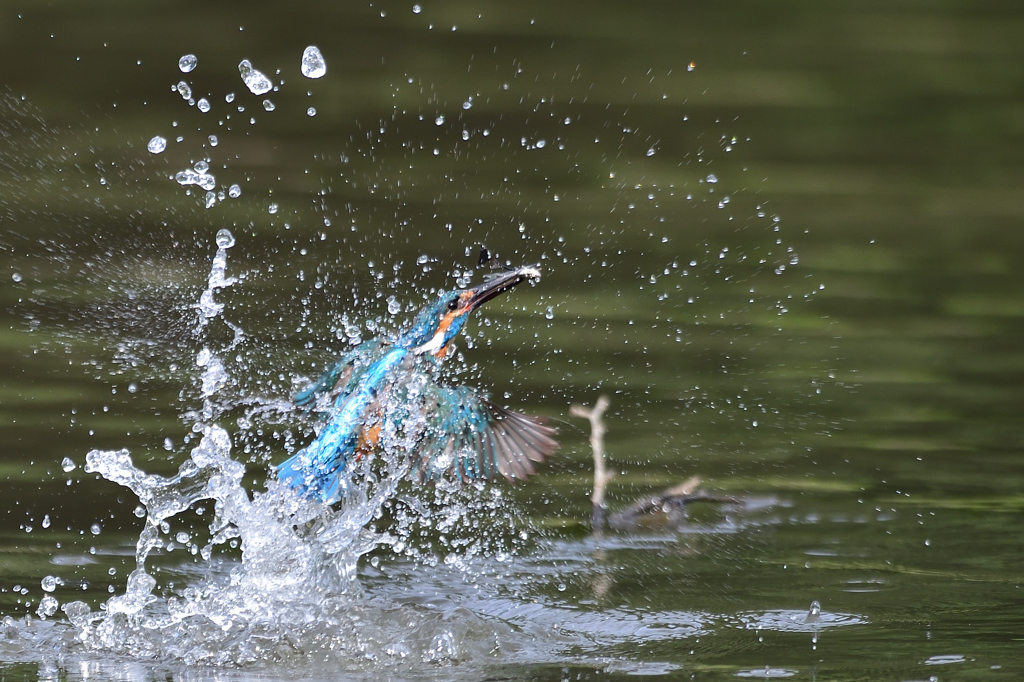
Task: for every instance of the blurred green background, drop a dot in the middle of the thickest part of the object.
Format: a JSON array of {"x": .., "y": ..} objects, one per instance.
[{"x": 784, "y": 237}]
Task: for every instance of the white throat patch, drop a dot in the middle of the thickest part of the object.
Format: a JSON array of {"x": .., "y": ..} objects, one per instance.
[{"x": 435, "y": 344}]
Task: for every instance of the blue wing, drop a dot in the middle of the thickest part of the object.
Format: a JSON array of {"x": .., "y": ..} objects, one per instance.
[
  {"x": 322, "y": 469},
  {"x": 473, "y": 438},
  {"x": 448, "y": 430},
  {"x": 339, "y": 375}
]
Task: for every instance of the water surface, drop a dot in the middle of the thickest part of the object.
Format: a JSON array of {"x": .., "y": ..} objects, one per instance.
[{"x": 781, "y": 237}]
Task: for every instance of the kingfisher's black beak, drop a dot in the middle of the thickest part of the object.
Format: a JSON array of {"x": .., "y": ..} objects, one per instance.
[{"x": 498, "y": 284}]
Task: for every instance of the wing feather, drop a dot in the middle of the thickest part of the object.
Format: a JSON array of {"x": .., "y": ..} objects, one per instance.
[
  {"x": 470, "y": 437},
  {"x": 516, "y": 449}
]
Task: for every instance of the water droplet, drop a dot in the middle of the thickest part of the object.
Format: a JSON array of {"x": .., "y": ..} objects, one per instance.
[
  {"x": 95, "y": 529},
  {"x": 225, "y": 240},
  {"x": 209, "y": 199},
  {"x": 311, "y": 111},
  {"x": 652, "y": 151},
  {"x": 49, "y": 583},
  {"x": 229, "y": 98},
  {"x": 272, "y": 209},
  {"x": 561, "y": 587},
  {"x": 213, "y": 140},
  {"x": 394, "y": 307},
  {"x": 184, "y": 90},
  {"x": 813, "y": 613},
  {"x": 549, "y": 313},
  {"x": 541, "y": 144},
  {"x": 691, "y": 66},
  {"x": 416, "y": 9},
  {"x": 201, "y": 166},
  {"x": 422, "y": 260},
  {"x": 203, "y": 105},
  {"x": 468, "y": 104},
  {"x": 16, "y": 276},
  {"x": 140, "y": 511},
  {"x": 182, "y": 537},
  {"x": 168, "y": 444},
  {"x": 439, "y": 121},
  {"x": 257, "y": 83},
  {"x": 157, "y": 145},
  {"x": 313, "y": 65},
  {"x": 186, "y": 177},
  {"x": 47, "y": 606},
  {"x": 268, "y": 105},
  {"x": 712, "y": 179},
  {"x": 234, "y": 191},
  {"x": 46, "y": 521},
  {"x": 67, "y": 465},
  {"x": 187, "y": 63}
]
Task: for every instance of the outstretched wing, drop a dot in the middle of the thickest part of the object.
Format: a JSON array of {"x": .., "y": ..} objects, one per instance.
[{"x": 470, "y": 436}]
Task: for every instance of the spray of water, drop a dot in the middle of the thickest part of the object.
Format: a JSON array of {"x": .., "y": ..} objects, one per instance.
[
  {"x": 447, "y": 592},
  {"x": 297, "y": 578}
]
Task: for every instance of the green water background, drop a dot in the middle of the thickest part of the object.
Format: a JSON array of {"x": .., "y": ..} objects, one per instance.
[{"x": 885, "y": 137}]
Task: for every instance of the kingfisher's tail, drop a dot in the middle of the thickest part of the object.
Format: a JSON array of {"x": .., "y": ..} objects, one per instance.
[{"x": 301, "y": 474}]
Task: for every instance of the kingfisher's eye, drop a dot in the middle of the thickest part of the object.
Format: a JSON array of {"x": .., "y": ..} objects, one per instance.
[{"x": 453, "y": 304}]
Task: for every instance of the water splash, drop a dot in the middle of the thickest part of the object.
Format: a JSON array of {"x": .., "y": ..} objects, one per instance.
[
  {"x": 190, "y": 176},
  {"x": 300, "y": 603},
  {"x": 294, "y": 591},
  {"x": 187, "y": 63},
  {"x": 313, "y": 65},
  {"x": 299, "y": 557},
  {"x": 257, "y": 83},
  {"x": 157, "y": 145},
  {"x": 296, "y": 577}
]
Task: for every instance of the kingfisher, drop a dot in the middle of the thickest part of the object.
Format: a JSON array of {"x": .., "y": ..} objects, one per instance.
[{"x": 388, "y": 396}]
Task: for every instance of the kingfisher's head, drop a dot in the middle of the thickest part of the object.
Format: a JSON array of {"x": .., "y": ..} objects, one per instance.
[{"x": 440, "y": 321}]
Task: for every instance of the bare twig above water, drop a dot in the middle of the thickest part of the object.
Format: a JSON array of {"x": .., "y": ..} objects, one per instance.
[
  {"x": 668, "y": 504},
  {"x": 601, "y": 475}
]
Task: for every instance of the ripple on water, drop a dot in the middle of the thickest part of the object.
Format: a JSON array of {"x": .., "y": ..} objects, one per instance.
[{"x": 785, "y": 620}]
